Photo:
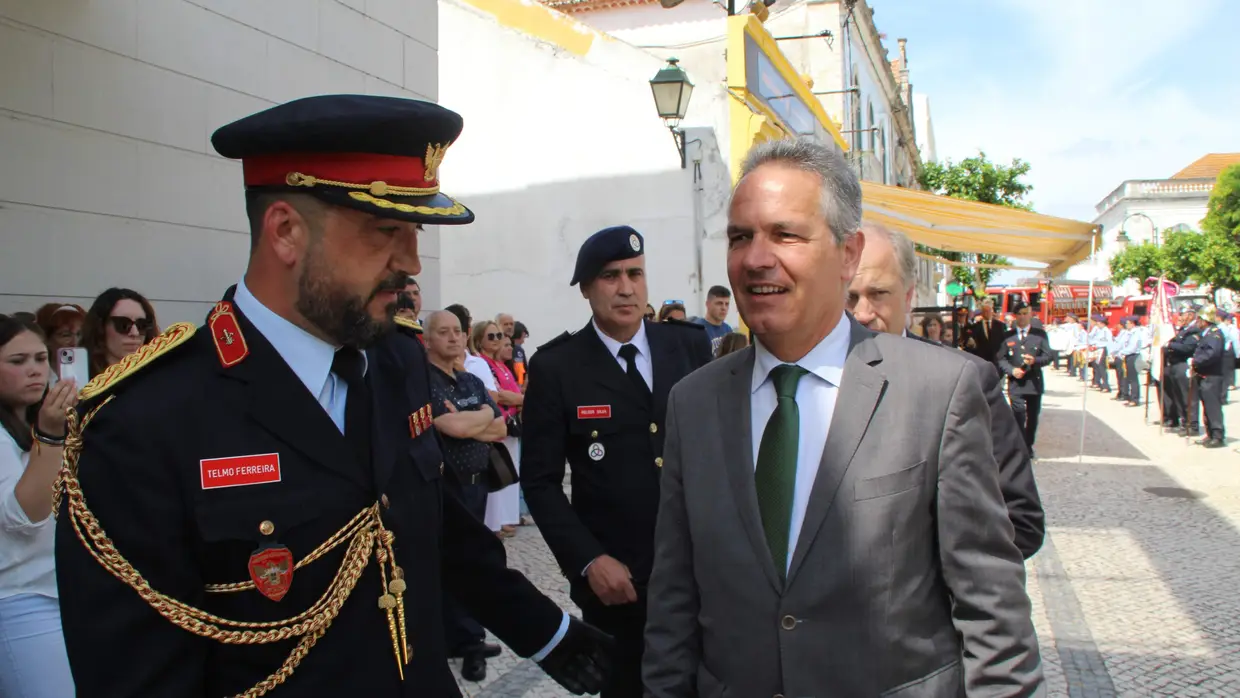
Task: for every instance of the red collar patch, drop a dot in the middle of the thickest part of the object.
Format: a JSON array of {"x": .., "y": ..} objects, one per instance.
[{"x": 226, "y": 333}]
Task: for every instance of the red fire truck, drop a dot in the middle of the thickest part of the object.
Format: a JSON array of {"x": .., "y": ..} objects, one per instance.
[{"x": 1051, "y": 299}]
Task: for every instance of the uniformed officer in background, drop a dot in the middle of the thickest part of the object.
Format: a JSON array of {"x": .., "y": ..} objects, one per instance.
[
  {"x": 1208, "y": 377},
  {"x": 1025, "y": 350},
  {"x": 256, "y": 506},
  {"x": 597, "y": 398},
  {"x": 1179, "y": 350}
]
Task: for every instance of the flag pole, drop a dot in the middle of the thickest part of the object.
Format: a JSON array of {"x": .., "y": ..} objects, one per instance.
[{"x": 1089, "y": 311}]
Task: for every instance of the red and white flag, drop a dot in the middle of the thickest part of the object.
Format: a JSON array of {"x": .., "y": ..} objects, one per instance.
[{"x": 1161, "y": 328}]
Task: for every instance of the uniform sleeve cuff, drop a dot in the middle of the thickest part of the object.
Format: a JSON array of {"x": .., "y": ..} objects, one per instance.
[{"x": 555, "y": 640}]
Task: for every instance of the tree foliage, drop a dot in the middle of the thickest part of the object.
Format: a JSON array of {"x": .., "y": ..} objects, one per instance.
[
  {"x": 1209, "y": 257},
  {"x": 977, "y": 179},
  {"x": 1223, "y": 211}
]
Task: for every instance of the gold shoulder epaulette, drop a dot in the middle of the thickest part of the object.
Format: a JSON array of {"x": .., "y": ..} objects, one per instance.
[
  {"x": 173, "y": 337},
  {"x": 409, "y": 324}
]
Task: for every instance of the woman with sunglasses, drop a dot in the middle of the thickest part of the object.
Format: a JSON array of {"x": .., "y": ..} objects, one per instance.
[
  {"x": 672, "y": 310},
  {"x": 488, "y": 341},
  {"x": 118, "y": 323}
]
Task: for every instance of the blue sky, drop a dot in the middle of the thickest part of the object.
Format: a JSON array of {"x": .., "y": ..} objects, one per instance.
[{"x": 1090, "y": 92}]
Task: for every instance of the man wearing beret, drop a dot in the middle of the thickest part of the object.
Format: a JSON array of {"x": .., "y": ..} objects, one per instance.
[
  {"x": 597, "y": 399},
  {"x": 255, "y": 506}
]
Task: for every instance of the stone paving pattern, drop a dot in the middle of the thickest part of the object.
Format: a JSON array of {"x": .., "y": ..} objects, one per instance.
[{"x": 1133, "y": 595}]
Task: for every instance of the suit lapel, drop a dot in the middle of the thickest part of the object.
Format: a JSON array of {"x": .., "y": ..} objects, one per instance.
[
  {"x": 391, "y": 400},
  {"x": 281, "y": 404},
  {"x": 858, "y": 397},
  {"x": 735, "y": 415}
]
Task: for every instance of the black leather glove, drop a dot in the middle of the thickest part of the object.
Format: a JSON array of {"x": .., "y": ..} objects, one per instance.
[{"x": 581, "y": 662}]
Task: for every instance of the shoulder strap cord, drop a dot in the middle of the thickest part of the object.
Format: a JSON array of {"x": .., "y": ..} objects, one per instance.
[{"x": 365, "y": 534}]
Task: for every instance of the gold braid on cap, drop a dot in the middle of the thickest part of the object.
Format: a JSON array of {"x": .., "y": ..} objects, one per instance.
[
  {"x": 297, "y": 179},
  {"x": 365, "y": 535}
]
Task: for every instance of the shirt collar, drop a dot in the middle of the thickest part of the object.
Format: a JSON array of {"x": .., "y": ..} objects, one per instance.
[
  {"x": 826, "y": 360},
  {"x": 308, "y": 356},
  {"x": 639, "y": 340}
]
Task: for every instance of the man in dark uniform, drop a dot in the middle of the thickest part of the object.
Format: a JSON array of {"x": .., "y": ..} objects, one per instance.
[
  {"x": 1208, "y": 377},
  {"x": 597, "y": 399},
  {"x": 984, "y": 337},
  {"x": 256, "y": 506},
  {"x": 1179, "y": 350},
  {"x": 1025, "y": 350}
]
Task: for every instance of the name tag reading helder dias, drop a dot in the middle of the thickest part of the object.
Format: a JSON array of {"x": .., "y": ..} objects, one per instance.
[
  {"x": 594, "y": 412},
  {"x": 237, "y": 471}
]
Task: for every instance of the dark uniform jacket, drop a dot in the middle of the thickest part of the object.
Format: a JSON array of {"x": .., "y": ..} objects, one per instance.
[
  {"x": 1020, "y": 490},
  {"x": 141, "y": 472},
  {"x": 1182, "y": 347},
  {"x": 986, "y": 338},
  {"x": 1208, "y": 356},
  {"x": 579, "y": 396},
  {"x": 1010, "y": 357}
]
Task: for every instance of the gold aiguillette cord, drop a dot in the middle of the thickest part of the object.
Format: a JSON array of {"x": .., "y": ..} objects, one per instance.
[{"x": 393, "y": 598}]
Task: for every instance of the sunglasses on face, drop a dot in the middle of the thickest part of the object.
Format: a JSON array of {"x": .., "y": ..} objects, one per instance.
[
  {"x": 122, "y": 325},
  {"x": 494, "y": 336}
]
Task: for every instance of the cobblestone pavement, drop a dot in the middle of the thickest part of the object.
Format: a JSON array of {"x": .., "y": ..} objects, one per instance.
[{"x": 1134, "y": 593}]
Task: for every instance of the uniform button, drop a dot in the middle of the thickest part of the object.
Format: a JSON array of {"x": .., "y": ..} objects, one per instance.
[
  {"x": 266, "y": 528},
  {"x": 654, "y": 428},
  {"x": 658, "y": 462},
  {"x": 383, "y": 499},
  {"x": 441, "y": 468},
  {"x": 787, "y": 622},
  {"x": 594, "y": 435},
  {"x": 779, "y": 695}
]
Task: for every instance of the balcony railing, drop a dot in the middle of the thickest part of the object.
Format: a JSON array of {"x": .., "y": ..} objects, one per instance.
[{"x": 1147, "y": 188}]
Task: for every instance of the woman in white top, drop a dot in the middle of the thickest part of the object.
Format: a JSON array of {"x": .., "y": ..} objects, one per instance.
[{"x": 32, "y": 649}]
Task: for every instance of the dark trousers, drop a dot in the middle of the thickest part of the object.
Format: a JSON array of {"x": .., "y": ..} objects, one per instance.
[
  {"x": 1121, "y": 377},
  {"x": 1177, "y": 385},
  {"x": 1133, "y": 376},
  {"x": 627, "y": 624},
  {"x": 1229, "y": 373},
  {"x": 1101, "y": 379},
  {"x": 461, "y": 631},
  {"x": 1027, "y": 409},
  {"x": 1211, "y": 390}
]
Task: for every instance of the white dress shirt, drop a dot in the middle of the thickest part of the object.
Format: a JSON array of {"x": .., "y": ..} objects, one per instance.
[
  {"x": 479, "y": 367},
  {"x": 308, "y": 356},
  {"x": 27, "y": 564},
  {"x": 816, "y": 394},
  {"x": 642, "y": 359}
]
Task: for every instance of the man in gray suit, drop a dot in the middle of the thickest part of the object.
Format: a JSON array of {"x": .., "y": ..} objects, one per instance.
[
  {"x": 830, "y": 521},
  {"x": 880, "y": 297}
]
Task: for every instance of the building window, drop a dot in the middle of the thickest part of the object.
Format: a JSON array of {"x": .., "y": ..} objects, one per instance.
[
  {"x": 870, "y": 125},
  {"x": 883, "y": 152},
  {"x": 856, "y": 99}
]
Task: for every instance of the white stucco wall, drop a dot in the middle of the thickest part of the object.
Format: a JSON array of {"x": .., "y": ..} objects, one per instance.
[
  {"x": 107, "y": 176},
  {"x": 1165, "y": 212},
  {"x": 556, "y": 147}
]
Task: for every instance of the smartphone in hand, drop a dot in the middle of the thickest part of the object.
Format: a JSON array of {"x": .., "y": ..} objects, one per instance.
[{"x": 73, "y": 365}]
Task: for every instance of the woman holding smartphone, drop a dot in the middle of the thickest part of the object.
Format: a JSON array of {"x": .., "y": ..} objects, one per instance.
[{"x": 32, "y": 647}]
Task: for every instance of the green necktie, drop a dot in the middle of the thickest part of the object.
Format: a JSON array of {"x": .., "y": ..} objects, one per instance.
[{"x": 776, "y": 474}]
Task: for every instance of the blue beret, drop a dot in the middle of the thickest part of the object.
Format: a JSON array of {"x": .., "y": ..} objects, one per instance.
[
  {"x": 604, "y": 247},
  {"x": 1099, "y": 318},
  {"x": 375, "y": 154}
]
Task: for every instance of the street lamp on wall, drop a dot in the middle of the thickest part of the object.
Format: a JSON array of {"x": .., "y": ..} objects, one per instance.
[{"x": 672, "y": 89}]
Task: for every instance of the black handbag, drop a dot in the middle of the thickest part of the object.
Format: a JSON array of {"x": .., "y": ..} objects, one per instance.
[{"x": 501, "y": 471}]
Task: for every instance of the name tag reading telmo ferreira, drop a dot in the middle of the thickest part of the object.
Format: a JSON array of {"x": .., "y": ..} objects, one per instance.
[{"x": 236, "y": 471}]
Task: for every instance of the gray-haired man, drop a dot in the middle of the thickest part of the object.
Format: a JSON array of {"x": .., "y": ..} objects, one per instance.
[
  {"x": 872, "y": 557},
  {"x": 880, "y": 297}
]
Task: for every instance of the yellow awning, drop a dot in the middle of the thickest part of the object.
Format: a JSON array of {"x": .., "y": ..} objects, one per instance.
[{"x": 957, "y": 225}]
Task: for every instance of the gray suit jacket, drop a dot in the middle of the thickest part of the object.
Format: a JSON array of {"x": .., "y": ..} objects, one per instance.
[{"x": 905, "y": 581}]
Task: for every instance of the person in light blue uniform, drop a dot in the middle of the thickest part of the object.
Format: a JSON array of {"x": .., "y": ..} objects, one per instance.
[
  {"x": 1130, "y": 349},
  {"x": 1231, "y": 351},
  {"x": 1100, "y": 339},
  {"x": 1118, "y": 355}
]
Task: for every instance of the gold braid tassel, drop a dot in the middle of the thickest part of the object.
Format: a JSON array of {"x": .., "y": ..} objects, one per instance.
[{"x": 362, "y": 534}]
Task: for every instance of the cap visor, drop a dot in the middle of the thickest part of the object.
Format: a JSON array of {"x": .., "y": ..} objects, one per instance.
[{"x": 436, "y": 209}]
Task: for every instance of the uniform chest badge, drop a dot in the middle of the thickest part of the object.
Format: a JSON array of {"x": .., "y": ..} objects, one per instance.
[
  {"x": 594, "y": 412},
  {"x": 271, "y": 570},
  {"x": 596, "y": 452},
  {"x": 420, "y": 421}
]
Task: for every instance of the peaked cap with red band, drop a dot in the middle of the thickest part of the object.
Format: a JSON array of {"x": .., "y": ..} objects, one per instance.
[{"x": 380, "y": 155}]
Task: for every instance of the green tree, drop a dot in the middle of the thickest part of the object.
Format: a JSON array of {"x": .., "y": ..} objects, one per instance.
[
  {"x": 977, "y": 179},
  {"x": 1140, "y": 262},
  {"x": 1223, "y": 211}
]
